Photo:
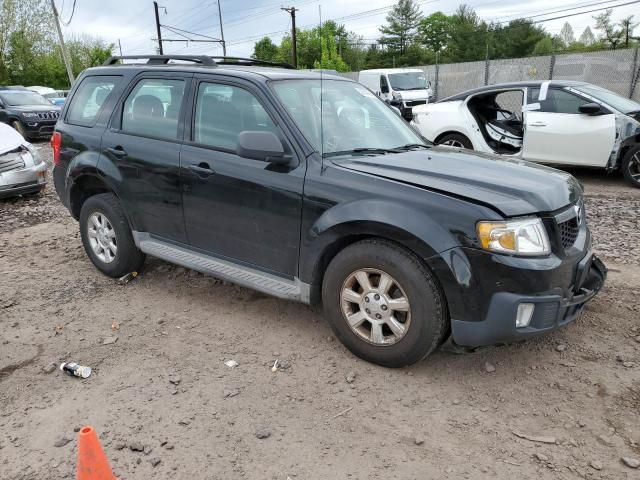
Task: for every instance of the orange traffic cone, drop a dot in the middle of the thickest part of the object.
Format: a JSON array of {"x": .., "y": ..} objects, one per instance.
[{"x": 92, "y": 462}]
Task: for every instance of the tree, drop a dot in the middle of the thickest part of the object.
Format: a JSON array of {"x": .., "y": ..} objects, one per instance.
[
  {"x": 609, "y": 32},
  {"x": 265, "y": 49},
  {"x": 329, "y": 58},
  {"x": 517, "y": 39},
  {"x": 402, "y": 23},
  {"x": 628, "y": 25},
  {"x": 587, "y": 38},
  {"x": 566, "y": 34},
  {"x": 435, "y": 31},
  {"x": 469, "y": 36}
]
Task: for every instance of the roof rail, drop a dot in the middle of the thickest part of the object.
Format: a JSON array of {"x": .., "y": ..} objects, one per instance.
[
  {"x": 249, "y": 62},
  {"x": 163, "y": 59}
]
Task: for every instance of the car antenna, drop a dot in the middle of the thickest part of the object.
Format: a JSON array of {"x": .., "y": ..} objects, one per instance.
[{"x": 321, "y": 96}]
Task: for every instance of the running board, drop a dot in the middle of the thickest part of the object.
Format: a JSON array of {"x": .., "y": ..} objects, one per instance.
[{"x": 224, "y": 269}]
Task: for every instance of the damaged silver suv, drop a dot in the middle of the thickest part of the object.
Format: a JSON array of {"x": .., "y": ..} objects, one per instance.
[{"x": 22, "y": 170}]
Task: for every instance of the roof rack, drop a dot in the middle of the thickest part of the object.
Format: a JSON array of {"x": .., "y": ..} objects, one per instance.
[
  {"x": 250, "y": 61},
  {"x": 163, "y": 59}
]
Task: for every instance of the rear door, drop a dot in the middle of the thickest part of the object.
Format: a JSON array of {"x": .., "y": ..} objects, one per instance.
[
  {"x": 245, "y": 210},
  {"x": 142, "y": 149},
  {"x": 557, "y": 133}
]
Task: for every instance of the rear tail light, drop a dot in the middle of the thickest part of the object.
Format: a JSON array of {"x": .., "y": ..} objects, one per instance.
[{"x": 56, "y": 142}]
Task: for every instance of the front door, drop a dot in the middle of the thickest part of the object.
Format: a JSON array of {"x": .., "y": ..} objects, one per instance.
[
  {"x": 143, "y": 145},
  {"x": 243, "y": 210},
  {"x": 557, "y": 133}
]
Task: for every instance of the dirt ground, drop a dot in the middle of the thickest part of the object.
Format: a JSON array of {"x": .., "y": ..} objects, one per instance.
[{"x": 166, "y": 406}]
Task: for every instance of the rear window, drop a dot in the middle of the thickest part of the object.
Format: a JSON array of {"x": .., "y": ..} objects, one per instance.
[{"x": 89, "y": 98}]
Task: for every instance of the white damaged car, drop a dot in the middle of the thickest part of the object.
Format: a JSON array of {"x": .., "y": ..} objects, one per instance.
[
  {"x": 22, "y": 171},
  {"x": 551, "y": 122}
]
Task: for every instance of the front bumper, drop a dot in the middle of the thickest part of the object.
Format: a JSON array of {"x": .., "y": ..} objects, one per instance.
[
  {"x": 25, "y": 180},
  {"x": 38, "y": 128},
  {"x": 552, "y": 310}
]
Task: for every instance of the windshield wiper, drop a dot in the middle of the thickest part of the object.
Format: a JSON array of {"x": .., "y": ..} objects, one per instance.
[
  {"x": 411, "y": 146},
  {"x": 363, "y": 151}
]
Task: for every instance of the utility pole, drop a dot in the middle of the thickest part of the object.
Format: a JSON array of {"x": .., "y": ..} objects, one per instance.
[
  {"x": 65, "y": 54},
  {"x": 294, "y": 53},
  {"x": 155, "y": 7},
  {"x": 120, "y": 47},
  {"x": 224, "y": 44}
]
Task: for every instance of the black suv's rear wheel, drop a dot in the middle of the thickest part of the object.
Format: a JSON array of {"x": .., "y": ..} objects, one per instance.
[
  {"x": 631, "y": 166},
  {"x": 383, "y": 303},
  {"x": 107, "y": 238}
]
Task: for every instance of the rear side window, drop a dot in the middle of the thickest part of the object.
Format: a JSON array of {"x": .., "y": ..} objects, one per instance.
[
  {"x": 223, "y": 111},
  {"x": 89, "y": 98},
  {"x": 153, "y": 107}
]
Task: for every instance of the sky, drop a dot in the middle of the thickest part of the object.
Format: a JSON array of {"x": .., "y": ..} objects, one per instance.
[{"x": 245, "y": 21}]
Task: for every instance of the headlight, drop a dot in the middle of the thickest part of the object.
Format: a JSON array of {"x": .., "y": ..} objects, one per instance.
[
  {"x": 396, "y": 96},
  {"x": 30, "y": 115},
  {"x": 522, "y": 236}
]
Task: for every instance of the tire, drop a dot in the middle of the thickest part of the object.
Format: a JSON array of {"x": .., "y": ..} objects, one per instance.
[
  {"x": 19, "y": 128},
  {"x": 631, "y": 166},
  {"x": 457, "y": 140},
  {"x": 126, "y": 258},
  {"x": 425, "y": 324}
]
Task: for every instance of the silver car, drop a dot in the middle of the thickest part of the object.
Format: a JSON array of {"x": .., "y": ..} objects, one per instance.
[{"x": 22, "y": 171}]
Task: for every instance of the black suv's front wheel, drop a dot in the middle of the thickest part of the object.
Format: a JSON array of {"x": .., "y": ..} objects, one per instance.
[
  {"x": 383, "y": 303},
  {"x": 107, "y": 238}
]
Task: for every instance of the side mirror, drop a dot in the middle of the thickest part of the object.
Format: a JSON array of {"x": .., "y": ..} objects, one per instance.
[
  {"x": 590, "y": 109},
  {"x": 263, "y": 146}
]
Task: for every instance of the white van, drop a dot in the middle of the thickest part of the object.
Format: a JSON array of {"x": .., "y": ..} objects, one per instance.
[{"x": 401, "y": 87}]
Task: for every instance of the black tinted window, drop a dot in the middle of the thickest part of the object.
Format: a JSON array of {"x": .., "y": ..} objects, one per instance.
[
  {"x": 89, "y": 98},
  {"x": 223, "y": 111},
  {"x": 153, "y": 107},
  {"x": 557, "y": 101}
]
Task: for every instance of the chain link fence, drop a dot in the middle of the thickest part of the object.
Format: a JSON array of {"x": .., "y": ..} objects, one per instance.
[{"x": 616, "y": 70}]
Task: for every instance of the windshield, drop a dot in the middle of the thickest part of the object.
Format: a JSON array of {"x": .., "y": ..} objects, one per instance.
[
  {"x": 408, "y": 81},
  {"x": 618, "y": 102},
  {"x": 23, "y": 98},
  {"x": 353, "y": 117}
]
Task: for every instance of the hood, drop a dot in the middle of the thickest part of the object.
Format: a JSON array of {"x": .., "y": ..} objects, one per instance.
[
  {"x": 35, "y": 108},
  {"x": 9, "y": 139},
  {"x": 512, "y": 187},
  {"x": 414, "y": 94}
]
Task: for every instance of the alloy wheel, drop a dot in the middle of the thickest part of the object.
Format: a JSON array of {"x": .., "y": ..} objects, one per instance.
[
  {"x": 375, "y": 306},
  {"x": 102, "y": 237},
  {"x": 453, "y": 143},
  {"x": 634, "y": 167}
]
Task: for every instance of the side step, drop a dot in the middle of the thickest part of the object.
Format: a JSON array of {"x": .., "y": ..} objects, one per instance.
[{"x": 224, "y": 269}]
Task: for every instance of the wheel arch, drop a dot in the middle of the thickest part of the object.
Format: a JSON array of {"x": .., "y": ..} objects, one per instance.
[{"x": 452, "y": 132}]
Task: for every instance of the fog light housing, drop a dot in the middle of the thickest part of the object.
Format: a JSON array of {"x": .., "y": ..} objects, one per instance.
[{"x": 525, "y": 312}]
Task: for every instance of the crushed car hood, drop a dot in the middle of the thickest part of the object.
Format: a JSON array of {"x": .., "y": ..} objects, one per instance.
[
  {"x": 513, "y": 187},
  {"x": 9, "y": 139}
]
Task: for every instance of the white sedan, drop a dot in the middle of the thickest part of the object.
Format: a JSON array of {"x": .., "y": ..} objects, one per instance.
[{"x": 555, "y": 122}]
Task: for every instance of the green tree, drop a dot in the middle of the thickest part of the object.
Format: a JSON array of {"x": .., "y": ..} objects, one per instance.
[
  {"x": 628, "y": 26},
  {"x": 265, "y": 49},
  {"x": 610, "y": 34},
  {"x": 436, "y": 31},
  {"x": 587, "y": 38},
  {"x": 517, "y": 39},
  {"x": 469, "y": 36},
  {"x": 401, "y": 28},
  {"x": 329, "y": 58}
]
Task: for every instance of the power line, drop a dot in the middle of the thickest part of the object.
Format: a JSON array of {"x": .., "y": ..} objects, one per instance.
[{"x": 73, "y": 10}]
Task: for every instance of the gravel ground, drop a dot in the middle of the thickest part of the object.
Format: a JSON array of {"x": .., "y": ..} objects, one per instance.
[{"x": 166, "y": 405}]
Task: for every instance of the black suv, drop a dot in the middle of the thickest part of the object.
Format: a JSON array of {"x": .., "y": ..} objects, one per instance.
[
  {"x": 308, "y": 187},
  {"x": 32, "y": 115}
]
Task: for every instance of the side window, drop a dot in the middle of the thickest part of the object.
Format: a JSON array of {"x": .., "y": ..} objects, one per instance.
[
  {"x": 152, "y": 108},
  {"x": 558, "y": 101},
  {"x": 384, "y": 86},
  {"x": 88, "y": 99},
  {"x": 223, "y": 111}
]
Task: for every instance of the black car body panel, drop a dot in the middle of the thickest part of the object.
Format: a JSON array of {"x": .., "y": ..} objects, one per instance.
[{"x": 290, "y": 220}]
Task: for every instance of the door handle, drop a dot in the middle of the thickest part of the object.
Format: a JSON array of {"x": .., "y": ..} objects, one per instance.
[
  {"x": 538, "y": 124},
  {"x": 202, "y": 169},
  {"x": 117, "y": 152}
]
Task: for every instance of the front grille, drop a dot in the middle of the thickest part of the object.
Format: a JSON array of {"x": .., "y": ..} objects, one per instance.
[
  {"x": 11, "y": 161},
  {"x": 569, "y": 232},
  {"x": 414, "y": 103},
  {"x": 53, "y": 115}
]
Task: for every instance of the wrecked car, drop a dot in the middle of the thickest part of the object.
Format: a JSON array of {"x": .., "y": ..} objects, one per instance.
[
  {"x": 22, "y": 171},
  {"x": 552, "y": 122},
  {"x": 309, "y": 187}
]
